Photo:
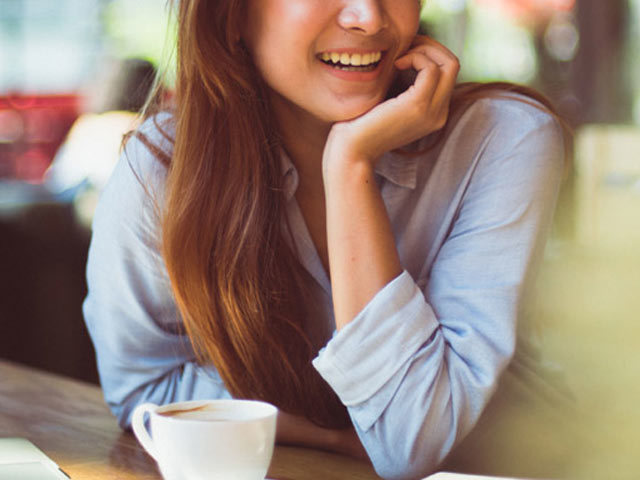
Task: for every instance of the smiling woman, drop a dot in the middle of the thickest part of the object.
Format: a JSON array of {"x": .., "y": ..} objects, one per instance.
[
  {"x": 325, "y": 221},
  {"x": 300, "y": 33}
]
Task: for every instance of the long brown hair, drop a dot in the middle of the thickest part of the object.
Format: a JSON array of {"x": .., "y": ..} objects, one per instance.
[{"x": 237, "y": 284}]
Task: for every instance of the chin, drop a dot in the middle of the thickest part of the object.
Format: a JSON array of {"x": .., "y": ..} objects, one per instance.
[{"x": 345, "y": 113}]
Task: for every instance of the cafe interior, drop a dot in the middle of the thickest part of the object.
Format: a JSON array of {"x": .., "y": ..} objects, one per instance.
[{"x": 75, "y": 73}]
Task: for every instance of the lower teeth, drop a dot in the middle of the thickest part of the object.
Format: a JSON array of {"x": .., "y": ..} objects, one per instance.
[{"x": 351, "y": 68}]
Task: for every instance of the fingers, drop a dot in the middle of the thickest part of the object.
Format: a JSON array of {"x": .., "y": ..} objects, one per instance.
[
  {"x": 447, "y": 63},
  {"x": 428, "y": 77},
  {"x": 449, "y": 66},
  {"x": 437, "y": 73}
]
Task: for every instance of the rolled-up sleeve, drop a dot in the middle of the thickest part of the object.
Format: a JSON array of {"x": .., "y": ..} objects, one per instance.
[
  {"x": 142, "y": 352},
  {"x": 417, "y": 366}
]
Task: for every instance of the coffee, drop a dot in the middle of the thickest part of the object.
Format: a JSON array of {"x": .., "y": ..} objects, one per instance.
[
  {"x": 209, "y": 413},
  {"x": 203, "y": 412}
]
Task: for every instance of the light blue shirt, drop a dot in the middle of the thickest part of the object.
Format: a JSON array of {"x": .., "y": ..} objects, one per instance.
[{"x": 419, "y": 363}]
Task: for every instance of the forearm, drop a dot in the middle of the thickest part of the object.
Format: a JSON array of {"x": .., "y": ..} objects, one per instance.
[
  {"x": 362, "y": 253},
  {"x": 298, "y": 431}
]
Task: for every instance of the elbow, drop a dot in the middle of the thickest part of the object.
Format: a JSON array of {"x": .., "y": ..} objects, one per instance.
[
  {"x": 122, "y": 411},
  {"x": 411, "y": 459},
  {"x": 416, "y": 449},
  {"x": 406, "y": 468},
  {"x": 124, "y": 419},
  {"x": 122, "y": 402}
]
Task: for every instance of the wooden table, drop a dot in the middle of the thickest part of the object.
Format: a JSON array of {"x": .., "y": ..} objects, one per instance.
[{"x": 70, "y": 422}]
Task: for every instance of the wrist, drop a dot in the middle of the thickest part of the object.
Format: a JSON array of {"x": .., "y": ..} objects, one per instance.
[
  {"x": 343, "y": 156},
  {"x": 347, "y": 170}
]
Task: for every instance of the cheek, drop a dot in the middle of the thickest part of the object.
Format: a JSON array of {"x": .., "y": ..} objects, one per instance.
[
  {"x": 278, "y": 28},
  {"x": 408, "y": 18},
  {"x": 290, "y": 18}
]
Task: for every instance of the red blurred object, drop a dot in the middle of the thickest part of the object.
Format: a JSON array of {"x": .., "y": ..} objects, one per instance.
[
  {"x": 32, "y": 128},
  {"x": 535, "y": 11}
]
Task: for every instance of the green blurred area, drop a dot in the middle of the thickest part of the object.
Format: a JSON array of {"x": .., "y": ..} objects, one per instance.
[
  {"x": 591, "y": 74},
  {"x": 490, "y": 45},
  {"x": 142, "y": 29}
]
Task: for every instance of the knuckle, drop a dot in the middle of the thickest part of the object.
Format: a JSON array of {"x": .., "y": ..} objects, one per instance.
[{"x": 431, "y": 67}]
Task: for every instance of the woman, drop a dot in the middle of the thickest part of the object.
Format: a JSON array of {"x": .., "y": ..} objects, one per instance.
[{"x": 321, "y": 236}]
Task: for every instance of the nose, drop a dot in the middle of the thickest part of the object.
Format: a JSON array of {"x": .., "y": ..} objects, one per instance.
[{"x": 363, "y": 16}]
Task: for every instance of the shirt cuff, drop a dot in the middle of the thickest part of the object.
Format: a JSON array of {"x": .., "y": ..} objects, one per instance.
[{"x": 378, "y": 343}]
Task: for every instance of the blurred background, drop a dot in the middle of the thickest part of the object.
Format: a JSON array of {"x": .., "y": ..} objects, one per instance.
[{"x": 73, "y": 74}]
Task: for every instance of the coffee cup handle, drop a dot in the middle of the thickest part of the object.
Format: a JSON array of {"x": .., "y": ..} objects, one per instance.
[{"x": 140, "y": 430}]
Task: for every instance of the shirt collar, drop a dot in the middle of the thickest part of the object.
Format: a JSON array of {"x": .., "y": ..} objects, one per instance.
[
  {"x": 290, "y": 175},
  {"x": 400, "y": 169}
]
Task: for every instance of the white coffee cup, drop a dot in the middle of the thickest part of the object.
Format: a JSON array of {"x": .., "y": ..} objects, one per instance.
[{"x": 210, "y": 439}]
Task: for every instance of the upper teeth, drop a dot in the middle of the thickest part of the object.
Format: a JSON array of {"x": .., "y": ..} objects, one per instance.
[{"x": 355, "y": 59}]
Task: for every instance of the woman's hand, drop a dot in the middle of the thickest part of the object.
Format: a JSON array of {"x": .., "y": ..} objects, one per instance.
[{"x": 422, "y": 109}]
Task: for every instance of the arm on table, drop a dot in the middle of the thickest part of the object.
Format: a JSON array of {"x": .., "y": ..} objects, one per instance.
[
  {"x": 129, "y": 310},
  {"x": 416, "y": 368}
]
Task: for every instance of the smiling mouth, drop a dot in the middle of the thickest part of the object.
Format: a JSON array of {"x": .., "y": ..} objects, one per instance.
[{"x": 355, "y": 62}]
